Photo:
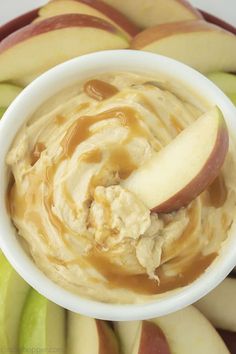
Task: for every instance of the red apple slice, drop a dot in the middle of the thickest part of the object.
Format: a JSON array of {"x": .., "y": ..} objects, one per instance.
[
  {"x": 203, "y": 46},
  {"x": 26, "y": 52},
  {"x": 219, "y": 305},
  {"x": 183, "y": 169},
  {"x": 152, "y": 12},
  {"x": 230, "y": 340},
  {"x": 95, "y": 8},
  {"x": 185, "y": 332},
  {"x": 189, "y": 332},
  {"x": 90, "y": 336},
  {"x": 150, "y": 340}
]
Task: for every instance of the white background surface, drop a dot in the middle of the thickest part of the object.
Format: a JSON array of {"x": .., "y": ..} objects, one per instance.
[{"x": 225, "y": 9}]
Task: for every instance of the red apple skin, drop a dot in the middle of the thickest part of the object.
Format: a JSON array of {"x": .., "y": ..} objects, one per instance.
[
  {"x": 153, "y": 340},
  {"x": 158, "y": 32},
  {"x": 120, "y": 19},
  {"x": 53, "y": 24},
  {"x": 229, "y": 338},
  {"x": 17, "y": 23},
  {"x": 107, "y": 340},
  {"x": 205, "y": 177}
]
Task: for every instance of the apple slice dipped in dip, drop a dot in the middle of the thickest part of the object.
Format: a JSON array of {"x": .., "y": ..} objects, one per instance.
[
  {"x": 92, "y": 223},
  {"x": 177, "y": 174}
]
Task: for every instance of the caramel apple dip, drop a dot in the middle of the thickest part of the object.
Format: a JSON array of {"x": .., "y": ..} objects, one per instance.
[{"x": 70, "y": 201}]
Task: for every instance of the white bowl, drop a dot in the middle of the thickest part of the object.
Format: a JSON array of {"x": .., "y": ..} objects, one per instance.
[{"x": 25, "y": 105}]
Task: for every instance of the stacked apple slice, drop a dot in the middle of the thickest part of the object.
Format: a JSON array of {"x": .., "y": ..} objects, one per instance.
[
  {"x": 153, "y": 12},
  {"x": 25, "y": 54},
  {"x": 199, "y": 44},
  {"x": 74, "y": 27},
  {"x": 95, "y": 8}
]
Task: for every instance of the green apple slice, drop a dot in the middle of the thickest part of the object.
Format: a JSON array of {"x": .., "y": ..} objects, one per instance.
[
  {"x": 2, "y": 111},
  {"x": 8, "y": 93},
  {"x": 226, "y": 82},
  {"x": 232, "y": 96},
  {"x": 219, "y": 305},
  {"x": 13, "y": 292},
  {"x": 42, "y": 327}
]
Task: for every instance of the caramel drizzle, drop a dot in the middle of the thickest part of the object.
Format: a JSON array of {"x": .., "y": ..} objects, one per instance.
[{"x": 99, "y": 90}]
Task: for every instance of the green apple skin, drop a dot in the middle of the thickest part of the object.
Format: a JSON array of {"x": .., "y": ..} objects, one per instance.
[
  {"x": 8, "y": 93},
  {"x": 232, "y": 96},
  {"x": 13, "y": 293},
  {"x": 2, "y": 111},
  {"x": 225, "y": 81},
  {"x": 42, "y": 327}
]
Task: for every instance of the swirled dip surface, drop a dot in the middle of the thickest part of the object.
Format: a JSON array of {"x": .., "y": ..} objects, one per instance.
[{"x": 81, "y": 227}]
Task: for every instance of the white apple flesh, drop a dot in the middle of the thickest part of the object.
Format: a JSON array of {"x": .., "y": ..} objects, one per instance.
[
  {"x": 127, "y": 332},
  {"x": 13, "y": 293},
  {"x": 177, "y": 174},
  {"x": 26, "y": 52},
  {"x": 219, "y": 305},
  {"x": 152, "y": 12},
  {"x": 90, "y": 336},
  {"x": 199, "y": 44}
]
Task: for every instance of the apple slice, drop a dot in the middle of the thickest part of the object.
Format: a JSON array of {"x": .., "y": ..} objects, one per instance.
[
  {"x": 150, "y": 339},
  {"x": 67, "y": 36},
  {"x": 183, "y": 332},
  {"x": 8, "y": 93},
  {"x": 232, "y": 96},
  {"x": 127, "y": 332},
  {"x": 199, "y": 44},
  {"x": 90, "y": 336},
  {"x": 141, "y": 337},
  {"x": 230, "y": 340},
  {"x": 42, "y": 327},
  {"x": 95, "y": 8},
  {"x": 188, "y": 331},
  {"x": 177, "y": 174},
  {"x": 13, "y": 292},
  {"x": 226, "y": 82},
  {"x": 153, "y": 12},
  {"x": 219, "y": 305},
  {"x": 2, "y": 111}
]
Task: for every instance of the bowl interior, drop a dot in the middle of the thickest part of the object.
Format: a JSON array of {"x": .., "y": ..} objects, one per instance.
[{"x": 26, "y": 104}]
